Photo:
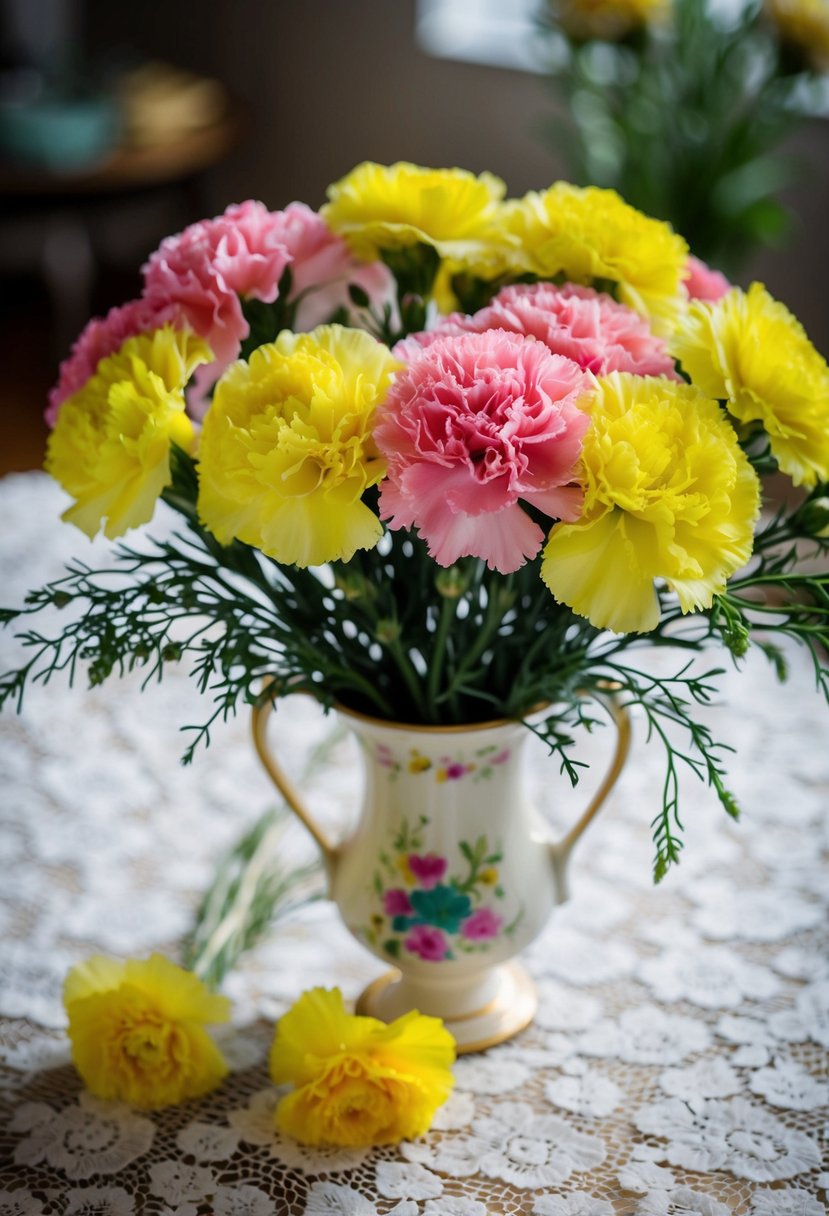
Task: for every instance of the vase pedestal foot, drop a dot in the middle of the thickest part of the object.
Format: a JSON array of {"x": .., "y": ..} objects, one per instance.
[{"x": 509, "y": 1004}]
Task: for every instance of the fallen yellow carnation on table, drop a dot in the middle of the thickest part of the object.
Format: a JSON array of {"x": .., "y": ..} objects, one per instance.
[
  {"x": 358, "y": 1081},
  {"x": 138, "y": 1030}
]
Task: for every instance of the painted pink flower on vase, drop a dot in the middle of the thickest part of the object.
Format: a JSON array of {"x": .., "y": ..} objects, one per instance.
[
  {"x": 428, "y": 868},
  {"x": 396, "y": 902},
  {"x": 587, "y": 326},
  {"x": 703, "y": 283},
  {"x": 473, "y": 425},
  {"x": 211, "y": 264},
  {"x": 430, "y": 944},
  {"x": 456, "y": 770},
  {"x": 481, "y": 926},
  {"x": 102, "y": 336}
]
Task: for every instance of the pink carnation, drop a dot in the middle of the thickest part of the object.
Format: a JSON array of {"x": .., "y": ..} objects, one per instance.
[
  {"x": 481, "y": 925},
  {"x": 101, "y": 337},
  {"x": 703, "y": 283},
  {"x": 428, "y": 943},
  {"x": 428, "y": 870},
  {"x": 207, "y": 268},
  {"x": 587, "y": 326},
  {"x": 323, "y": 267},
  {"x": 472, "y": 425}
]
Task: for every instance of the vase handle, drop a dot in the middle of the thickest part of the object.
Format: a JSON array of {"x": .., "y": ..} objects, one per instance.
[
  {"x": 286, "y": 787},
  {"x": 561, "y": 850}
]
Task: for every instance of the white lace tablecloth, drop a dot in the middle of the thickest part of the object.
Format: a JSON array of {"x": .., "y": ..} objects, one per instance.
[{"x": 678, "y": 1063}]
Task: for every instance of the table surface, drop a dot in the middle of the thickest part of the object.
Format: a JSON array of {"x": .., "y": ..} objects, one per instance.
[{"x": 678, "y": 1063}]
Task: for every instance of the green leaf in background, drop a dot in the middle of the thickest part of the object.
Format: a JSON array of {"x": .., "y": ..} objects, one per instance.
[{"x": 257, "y": 883}]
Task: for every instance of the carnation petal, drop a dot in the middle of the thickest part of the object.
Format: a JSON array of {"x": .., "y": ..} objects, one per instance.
[
  {"x": 504, "y": 539},
  {"x": 95, "y": 974},
  {"x": 590, "y": 568},
  {"x": 563, "y": 502},
  {"x": 315, "y": 1027},
  {"x": 312, "y": 530},
  {"x": 180, "y": 993}
]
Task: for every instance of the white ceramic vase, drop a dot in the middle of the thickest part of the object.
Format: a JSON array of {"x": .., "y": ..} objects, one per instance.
[{"x": 450, "y": 871}]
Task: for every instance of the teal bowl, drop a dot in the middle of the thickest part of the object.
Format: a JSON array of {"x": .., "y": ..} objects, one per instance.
[{"x": 58, "y": 134}]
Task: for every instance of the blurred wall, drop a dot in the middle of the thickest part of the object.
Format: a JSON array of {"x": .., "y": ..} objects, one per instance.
[{"x": 331, "y": 82}]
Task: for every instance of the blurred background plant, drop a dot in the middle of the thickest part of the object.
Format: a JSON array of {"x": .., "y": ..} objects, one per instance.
[{"x": 683, "y": 105}]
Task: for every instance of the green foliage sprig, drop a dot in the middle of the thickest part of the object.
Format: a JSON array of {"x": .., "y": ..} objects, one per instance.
[{"x": 405, "y": 640}]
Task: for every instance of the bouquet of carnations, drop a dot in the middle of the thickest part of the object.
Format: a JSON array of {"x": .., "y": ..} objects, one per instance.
[
  {"x": 684, "y": 107},
  {"x": 441, "y": 457}
]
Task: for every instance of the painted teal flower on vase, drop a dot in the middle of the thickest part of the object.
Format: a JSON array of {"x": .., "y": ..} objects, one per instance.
[
  {"x": 441, "y": 906},
  {"x": 429, "y": 910}
]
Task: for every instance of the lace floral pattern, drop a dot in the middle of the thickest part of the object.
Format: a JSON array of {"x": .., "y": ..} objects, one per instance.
[
  {"x": 733, "y": 1135},
  {"x": 677, "y": 1066}
]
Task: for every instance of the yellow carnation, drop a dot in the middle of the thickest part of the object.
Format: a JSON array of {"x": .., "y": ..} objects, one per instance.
[
  {"x": 358, "y": 1081},
  {"x": 110, "y": 448},
  {"x": 748, "y": 349},
  {"x": 804, "y": 24},
  {"x": 668, "y": 494},
  {"x": 137, "y": 1030},
  {"x": 608, "y": 19},
  {"x": 379, "y": 207},
  {"x": 587, "y": 233},
  {"x": 287, "y": 451}
]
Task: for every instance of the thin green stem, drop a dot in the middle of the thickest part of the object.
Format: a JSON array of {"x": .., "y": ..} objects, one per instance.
[{"x": 448, "y": 609}]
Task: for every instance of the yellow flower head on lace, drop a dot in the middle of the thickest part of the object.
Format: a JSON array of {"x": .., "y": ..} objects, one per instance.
[
  {"x": 380, "y": 207},
  {"x": 587, "y": 233},
  {"x": 748, "y": 350},
  {"x": 668, "y": 495},
  {"x": 110, "y": 448},
  {"x": 287, "y": 451},
  {"x": 358, "y": 1081},
  {"x": 138, "y": 1030},
  {"x": 608, "y": 19}
]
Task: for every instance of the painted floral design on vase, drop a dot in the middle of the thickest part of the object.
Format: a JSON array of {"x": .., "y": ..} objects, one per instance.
[{"x": 431, "y": 910}]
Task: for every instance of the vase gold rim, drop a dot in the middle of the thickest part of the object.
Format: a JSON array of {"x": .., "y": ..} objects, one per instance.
[{"x": 434, "y": 728}]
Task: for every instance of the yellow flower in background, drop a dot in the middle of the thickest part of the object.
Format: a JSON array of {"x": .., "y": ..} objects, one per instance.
[
  {"x": 607, "y": 19},
  {"x": 138, "y": 1030},
  {"x": 358, "y": 1081},
  {"x": 804, "y": 24},
  {"x": 286, "y": 450},
  {"x": 669, "y": 494},
  {"x": 110, "y": 448},
  {"x": 587, "y": 233},
  {"x": 379, "y": 207},
  {"x": 748, "y": 350}
]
